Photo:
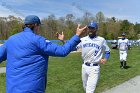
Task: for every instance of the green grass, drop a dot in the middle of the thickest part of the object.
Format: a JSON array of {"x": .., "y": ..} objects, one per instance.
[
  {"x": 3, "y": 64},
  {"x": 112, "y": 75},
  {"x": 2, "y": 83},
  {"x": 64, "y": 74}
]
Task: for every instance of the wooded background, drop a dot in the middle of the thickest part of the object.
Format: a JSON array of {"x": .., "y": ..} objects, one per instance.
[{"x": 109, "y": 28}]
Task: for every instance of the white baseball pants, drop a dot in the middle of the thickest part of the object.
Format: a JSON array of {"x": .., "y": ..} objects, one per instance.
[
  {"x": 90, "y": 76},
  {"x": 123, "y": 55}
]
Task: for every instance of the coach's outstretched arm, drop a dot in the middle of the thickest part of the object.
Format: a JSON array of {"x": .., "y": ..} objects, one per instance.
[{"x": 51, "y": 49}]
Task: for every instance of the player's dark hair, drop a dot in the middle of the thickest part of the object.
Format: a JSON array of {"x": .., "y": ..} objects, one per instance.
[{"x": 31, "y": 26}]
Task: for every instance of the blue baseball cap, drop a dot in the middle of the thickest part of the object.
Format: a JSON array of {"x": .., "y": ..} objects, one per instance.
[
  {"x": 93, "y": 24},
  {"x": 123, "y": 34},
  {"x": 32, "y": 19}
]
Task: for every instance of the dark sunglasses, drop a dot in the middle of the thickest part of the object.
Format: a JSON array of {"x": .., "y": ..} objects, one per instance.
[{"x": 91, "y": 28}]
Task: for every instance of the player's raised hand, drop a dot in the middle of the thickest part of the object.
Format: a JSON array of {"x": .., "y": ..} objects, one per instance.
[
  {"x": 80, "y": 31},
  {"x": 103, "y": 61},
  {"x": 60, "y": 36}
]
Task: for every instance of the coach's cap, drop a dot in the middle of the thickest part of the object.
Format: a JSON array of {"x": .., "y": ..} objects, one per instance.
[
  {"x": 32, "y": 19},
  {"x": 123, "y": 34},
  {"x": 93, "y": 24}
]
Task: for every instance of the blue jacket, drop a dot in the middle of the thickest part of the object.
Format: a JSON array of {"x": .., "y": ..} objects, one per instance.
[{"x": 27, "y": 60}]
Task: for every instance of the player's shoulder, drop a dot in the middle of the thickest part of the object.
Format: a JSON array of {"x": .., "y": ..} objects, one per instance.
[
  {"x": 127, "y": 39},
  {"x": 119, "y": 39},
  {"x": 84, "y": 38},
  {"x": 99, "y": 37}
]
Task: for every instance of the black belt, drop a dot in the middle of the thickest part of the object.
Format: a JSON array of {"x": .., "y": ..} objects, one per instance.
[{"x": 91, "y": 64}]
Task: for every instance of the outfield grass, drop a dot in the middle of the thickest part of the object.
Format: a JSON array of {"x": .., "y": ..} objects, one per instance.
[
  {"x": 64, "y": 74},
  {"x": 3, "y": 64},
  {"x": 2, "y": 83}
]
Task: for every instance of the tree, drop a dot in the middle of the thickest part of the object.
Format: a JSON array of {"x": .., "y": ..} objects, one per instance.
[
  {"x": 70, "y": 25},
  {"x": 131, "y": 32},
  {"x": 100, "y": 17},
  {"x": 87, "y": 17},
  {"x": 124, "y": 26},
  {"x": 9, "y": 25},
  {"x": 51, "y": 26},
  {"x": 109, "y": 28},
  {"x": 137, "y": 28}
]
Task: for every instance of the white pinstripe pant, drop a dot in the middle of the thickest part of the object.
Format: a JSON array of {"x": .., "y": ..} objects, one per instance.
[{"x": 90, "y": 76}]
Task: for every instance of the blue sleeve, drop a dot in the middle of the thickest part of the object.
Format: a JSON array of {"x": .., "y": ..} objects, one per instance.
[
  {"x": 107, "y": 50},
  {"x": 3, "y": 54},
  {"x": 107, "y": 55},
  {"x": 77, "y": 47},
  {"x": 74, "y": 49},
  {"x": 51, "y": 49}
]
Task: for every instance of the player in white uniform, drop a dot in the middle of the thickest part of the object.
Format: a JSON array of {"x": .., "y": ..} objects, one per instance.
[
  {"x": 93, "y": 47},
  {"x": 123, "y": 48},
  {"x": 138, "y": 42}
]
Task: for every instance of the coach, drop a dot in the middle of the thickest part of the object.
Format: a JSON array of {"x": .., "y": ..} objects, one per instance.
[{"x": 27, "y": 57}]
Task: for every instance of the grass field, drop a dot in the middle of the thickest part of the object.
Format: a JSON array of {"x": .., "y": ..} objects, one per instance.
[
  {"x": 2, "y": 64},
  {"x": 64, "y": 74}
]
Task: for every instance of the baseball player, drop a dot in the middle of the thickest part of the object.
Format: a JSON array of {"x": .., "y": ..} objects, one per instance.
[
  {"x": 92, "y": 47},
  {"x": 123, "y": 44},
  {"x": 138, "y": 42}
]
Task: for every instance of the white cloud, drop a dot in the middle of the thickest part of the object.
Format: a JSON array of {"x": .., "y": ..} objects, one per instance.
[
  {"x": 121, "y": 9},
  {"x": 4, "y": 12}
]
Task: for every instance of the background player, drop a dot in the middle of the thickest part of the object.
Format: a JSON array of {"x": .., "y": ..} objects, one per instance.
[
  {"x": 123, "y": 48},
  {"x": 92, "y": 51}
]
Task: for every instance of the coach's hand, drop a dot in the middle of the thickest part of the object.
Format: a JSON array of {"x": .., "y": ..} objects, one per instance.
[
  {"x": 60, "y": 37},
  {"x": 103, "y": 61},
  {"x": 80, "y": 31}
]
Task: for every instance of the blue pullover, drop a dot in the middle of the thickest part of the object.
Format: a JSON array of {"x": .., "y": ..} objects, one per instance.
[{"x": 27, "y": 60}]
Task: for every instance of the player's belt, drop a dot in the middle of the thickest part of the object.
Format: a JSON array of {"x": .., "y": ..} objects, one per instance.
[{"x": 90, "y": 64}]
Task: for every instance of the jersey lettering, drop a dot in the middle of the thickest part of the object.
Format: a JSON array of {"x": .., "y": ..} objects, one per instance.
[{"x": 91, "y": 45}]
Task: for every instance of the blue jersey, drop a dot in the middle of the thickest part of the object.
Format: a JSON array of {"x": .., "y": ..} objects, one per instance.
[{"x": 27, "y": 60}]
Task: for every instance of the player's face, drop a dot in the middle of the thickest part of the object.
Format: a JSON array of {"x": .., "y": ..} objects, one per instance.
[
  {"x": 123, "y": 36},
  {"x": 92, "y": 31}
]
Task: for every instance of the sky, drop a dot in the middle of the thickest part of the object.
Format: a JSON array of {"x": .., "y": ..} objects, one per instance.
[{"x": 120, "y": 9}]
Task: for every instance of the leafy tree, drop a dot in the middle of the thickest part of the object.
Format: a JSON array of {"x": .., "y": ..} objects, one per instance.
[
  {"x": 100, "y": 17},
  {"x": 124, "y": 26},
  {"x": 137, "y": 28},
  {"x": 109, "y": 28}
]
